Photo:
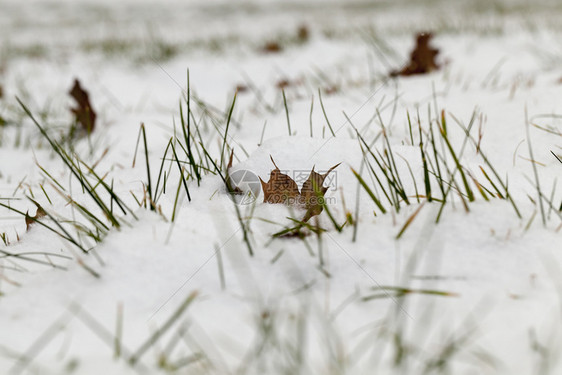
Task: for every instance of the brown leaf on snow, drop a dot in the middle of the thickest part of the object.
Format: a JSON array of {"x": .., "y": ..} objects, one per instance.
[
  {"x": 312, "y": 193},
  {"x": 30, "y": 220},
  {"x": 422, "y": 58},
  {"x": 280, "y": 188},
  {"x": 84, "y": 113},
  {"x": 283, "y": 189},
  {"x": 271, "y": 47}
]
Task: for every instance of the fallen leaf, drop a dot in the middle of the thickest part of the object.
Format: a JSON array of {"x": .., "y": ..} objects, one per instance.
[
  {"x": 280, "y": 188},
  {"x": 30, "y": 220},
  {"x": 271, "y": 47},
  {"x": 283, "y": 189},
  {"x": 312, "y": 193},
  {"x": 84, "y": 113},
  {"x": 422, "y": 58}
]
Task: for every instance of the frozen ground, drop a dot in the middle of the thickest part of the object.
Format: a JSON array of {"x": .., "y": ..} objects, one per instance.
[{"x": 178, "y": 291}]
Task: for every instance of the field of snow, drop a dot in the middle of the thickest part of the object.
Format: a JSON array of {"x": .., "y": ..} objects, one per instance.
[{"x": 438, "y": 250}]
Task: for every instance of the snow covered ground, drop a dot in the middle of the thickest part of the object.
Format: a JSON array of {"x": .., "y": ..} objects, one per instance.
[{"x": 201, "y": 285}]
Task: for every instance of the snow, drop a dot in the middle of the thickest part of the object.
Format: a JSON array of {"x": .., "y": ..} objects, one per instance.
[{"x": 501, "y": 273}]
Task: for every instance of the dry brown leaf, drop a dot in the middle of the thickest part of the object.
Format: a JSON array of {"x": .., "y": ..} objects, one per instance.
[
  {"x": 280, "y": 188},
  {"x": 283, "y": 189},
  {"x": 312, "y": 193},
  {"x": 30, "y": 220},
  {"x": 271, "y": 47},
  {"x": 422, "y": 58},
  {"x": 84, "y": 113}
]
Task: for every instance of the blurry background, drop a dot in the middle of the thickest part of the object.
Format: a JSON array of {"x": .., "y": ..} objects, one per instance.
[{"x": 141, "y": 30}]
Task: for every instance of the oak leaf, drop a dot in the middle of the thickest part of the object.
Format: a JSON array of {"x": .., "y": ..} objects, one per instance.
[
  {"x": 422, "y": 58},
  {"x": 83, "y": 112}
]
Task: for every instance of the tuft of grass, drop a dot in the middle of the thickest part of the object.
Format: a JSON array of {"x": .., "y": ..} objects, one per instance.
[
  {"x": 435, "y": 150},
  {"x": 94, "y": 224}
]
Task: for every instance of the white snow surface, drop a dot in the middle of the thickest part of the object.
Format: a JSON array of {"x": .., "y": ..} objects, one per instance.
[{"x": 280, "y": 310}]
